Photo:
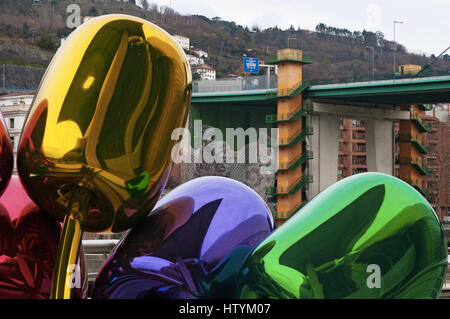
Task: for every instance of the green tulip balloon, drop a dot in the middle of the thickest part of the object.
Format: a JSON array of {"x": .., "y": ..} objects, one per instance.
[{"x": 367, "y": 236}]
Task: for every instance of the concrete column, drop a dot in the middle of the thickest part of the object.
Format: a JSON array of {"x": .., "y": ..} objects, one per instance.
[
  {"x": 325, "y": 145},
  {"x": 380, "y": 146}
]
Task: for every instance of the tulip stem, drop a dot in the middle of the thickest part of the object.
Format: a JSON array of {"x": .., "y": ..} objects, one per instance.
[{"x": 66, "y": 273}]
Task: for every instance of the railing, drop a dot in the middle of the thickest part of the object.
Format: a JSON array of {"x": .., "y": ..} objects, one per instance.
[
  {"x": 297, "y": 137},
  {"x": 96, "y": 252},
  {"x": 426, "y": 128},
  {"x": 289, "y": 166},
  {"x": 292, "y": 116},
  {"x": 417, "y": 142},
  {"x": 420, "y": 167},
  {"x": 359, "y": 149},
  {"x": 294, "y": 91},
  {"x": 290, "y": 190},
  {"x": 418, "y": 188},
  {"x": 289, "y": 55},
  {"x": 15, "y": 89},
  {"x": 356, "y": 136},
  {"x": 261, "y": 82},
  {"x": 285, "y": 215}
]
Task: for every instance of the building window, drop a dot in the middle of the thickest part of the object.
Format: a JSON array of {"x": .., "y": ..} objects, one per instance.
[
  {"x": 356, "y": 171},
  {"x": 359, "y": 147},
  {"x": 358, "y": 135},
  {"x": 359, "y": 160},
  {"x": 340, "y": 172},
  {"x": 358, "y": 123},
  {"x": 12, "y": 142},
  {"x": 11, "y": 123}
]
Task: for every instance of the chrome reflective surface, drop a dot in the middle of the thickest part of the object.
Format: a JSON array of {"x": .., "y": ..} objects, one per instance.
[
  {"x": 367, "y": 236},
  {"x": 96, "y": 147},
  {"x": 28, "y": 243},
  {"x": 188, "y": 234},
  {"x": 102, "y": 121},
  {"x": 6, "y": 156}
]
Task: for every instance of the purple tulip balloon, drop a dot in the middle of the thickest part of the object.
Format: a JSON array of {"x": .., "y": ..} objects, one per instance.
[{"x": 189, "y": 232}]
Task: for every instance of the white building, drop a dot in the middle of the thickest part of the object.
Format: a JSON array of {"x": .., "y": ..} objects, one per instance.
[
  {"x": 193, "y": 60},
  {"x": 206, "y": 72},
  {"x": 201, "y": 54},
  {"x": 182, "y": 41},
  {"x": 14, "y": 108}
]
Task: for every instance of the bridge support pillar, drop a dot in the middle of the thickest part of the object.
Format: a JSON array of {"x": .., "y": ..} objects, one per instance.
[
  {"x": 380, "y": 146},
  {"x": 324, "y": 143}
]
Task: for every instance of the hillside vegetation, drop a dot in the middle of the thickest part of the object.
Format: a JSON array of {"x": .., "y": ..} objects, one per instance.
[{"x": 30, "y": 32}]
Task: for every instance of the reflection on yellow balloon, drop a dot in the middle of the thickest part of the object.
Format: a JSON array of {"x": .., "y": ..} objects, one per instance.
[{"x": 96, "y": 146}]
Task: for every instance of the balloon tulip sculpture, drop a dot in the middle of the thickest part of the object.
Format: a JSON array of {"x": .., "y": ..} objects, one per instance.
[
  {"x": 190, "y": 231},
  {"x": 368, "y": 236},
  {"x": 95, "y": 153},
  {"x": 28, "y": 238},
  {"x": 95, "y": 149}
]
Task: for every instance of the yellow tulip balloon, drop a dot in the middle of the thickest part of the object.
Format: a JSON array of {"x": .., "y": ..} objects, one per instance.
[{"x": 96, "y": 146}]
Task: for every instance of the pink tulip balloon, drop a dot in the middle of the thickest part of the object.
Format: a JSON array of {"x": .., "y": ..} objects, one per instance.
[{"x": 28, "y": 243}]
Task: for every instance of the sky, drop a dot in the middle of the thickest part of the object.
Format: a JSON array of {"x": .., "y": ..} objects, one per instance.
[{"x": 425, "y": 27}]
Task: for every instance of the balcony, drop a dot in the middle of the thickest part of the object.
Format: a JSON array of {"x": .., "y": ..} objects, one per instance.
[
  {"x": 289, "y": 166},
  {"x": 306, "y": 108},
  {"x": 421, "y": 191},
  {"x": 291, "y": 212},
  {"x": 418, "y": 188},
  {"x": 417, "y": 142},
  {"x": 424, "y": 128},
  {"x": 294, "y": 140},
  {"x": 360, "y": 137},
  {"x": 424, "y": 149},
  {"x": 421, "y": 168},
  {"x": 290, "y": 190}
]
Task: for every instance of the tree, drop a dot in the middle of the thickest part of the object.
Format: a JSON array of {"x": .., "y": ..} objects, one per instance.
[
  {"x": 321, "y": 27},
  {"x": 25, "y": 30},
  {"x": 93, "y": 12},
  {"x": 145, "y": 5},
  {"x": 46, "y": 42}
]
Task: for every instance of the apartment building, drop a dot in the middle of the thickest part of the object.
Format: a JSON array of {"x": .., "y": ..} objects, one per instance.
[
  {"x": 438, "y": 161},
  {"x": 14, "y": 108},
  {"x": 352, "y": 148}
]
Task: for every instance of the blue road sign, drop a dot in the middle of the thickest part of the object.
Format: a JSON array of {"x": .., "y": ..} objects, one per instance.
[{"x": 251, "y": 65}]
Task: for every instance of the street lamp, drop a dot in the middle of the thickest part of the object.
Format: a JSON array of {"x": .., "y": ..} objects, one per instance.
[
  {"x": 373, "y": 61},
  {"x": 395, "y": 45}
]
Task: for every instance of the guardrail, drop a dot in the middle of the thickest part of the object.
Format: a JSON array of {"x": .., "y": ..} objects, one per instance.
[
  {"x": 260, "y": 82},
  {"x": 96, "y": 252},
  {"x": 14, "y": 90},
  {"x": 102, "y": 249}
]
